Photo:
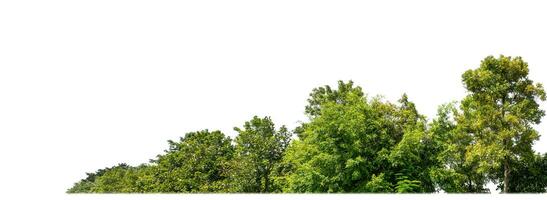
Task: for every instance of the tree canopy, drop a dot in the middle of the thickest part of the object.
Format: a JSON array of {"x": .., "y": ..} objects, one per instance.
[
  {"x": 354, "y": 143},
  {"x": 499, "y": 111}
]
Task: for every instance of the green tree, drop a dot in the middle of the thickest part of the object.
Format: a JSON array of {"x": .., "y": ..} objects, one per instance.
[
  {"x": 347, "y": 143},
  {"x": 146, "y": 178},
  {"x": 88, "y": 184},
  {"x": 196, "y": 163},
  {"x": 121, "y": 178},
  {"x": 450, "y": 142},
  {"x": 528, "y": 175},
  {"x": 413, "y": 157},
  {"x": 329, "y": 158},
  {"x": 259, "y": 149},
  {"x": 500, "y": 109},
  {"x": 353, "y": 143}
]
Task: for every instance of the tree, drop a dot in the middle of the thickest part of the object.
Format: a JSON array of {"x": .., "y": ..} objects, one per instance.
[
  {"x": 347, "y": 143},
  {"x": 88, "y": 184},
  {"x": 500, "y": 108},
  {"x": 121, "y": 178},
  {"x": 330, "y": 158},
  {"x": 450, "y": 140},
  {"x": 196, "y": 163},
  {"x": 529, "y": 175},
  {"x": 414, "y": 156},
  {"x": 353, "y": 143},
  {"x": 259, "y": 149}
]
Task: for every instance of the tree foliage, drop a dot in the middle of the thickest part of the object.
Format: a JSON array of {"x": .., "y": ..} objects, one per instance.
[
  {"x": 195, "y": 163},
  {"x": 499, "y": 111},
  {"x": 451, "y": 141},
  {"x": 356, "y": 143},
  {"x": 353, "y": 144},
  {"x": 529, "y": 175},
  {"x": 259, "y": 149}
]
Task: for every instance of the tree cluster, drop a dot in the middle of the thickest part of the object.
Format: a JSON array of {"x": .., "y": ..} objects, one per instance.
[{"x": 354, "y": 143}]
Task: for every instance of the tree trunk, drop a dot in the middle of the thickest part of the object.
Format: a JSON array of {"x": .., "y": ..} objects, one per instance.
[{"x": 506, "y": 172}]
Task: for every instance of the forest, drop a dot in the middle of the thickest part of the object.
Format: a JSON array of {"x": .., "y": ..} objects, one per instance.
[{"x": 356, "y": 143}]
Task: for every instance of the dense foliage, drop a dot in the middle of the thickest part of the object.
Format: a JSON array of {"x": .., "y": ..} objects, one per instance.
[{"x": 356, "y": 143}]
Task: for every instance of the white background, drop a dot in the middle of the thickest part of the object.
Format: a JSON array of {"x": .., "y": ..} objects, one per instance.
[{"x": 89, "y": 84}]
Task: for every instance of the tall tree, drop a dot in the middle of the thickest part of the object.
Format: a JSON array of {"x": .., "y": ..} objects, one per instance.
[
  {"x": 259, "y": 149},
  {"x": 501, "y": 107}
]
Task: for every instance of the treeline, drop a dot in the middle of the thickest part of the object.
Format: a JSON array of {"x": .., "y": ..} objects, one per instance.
[{"x": 356, "y": 143}]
